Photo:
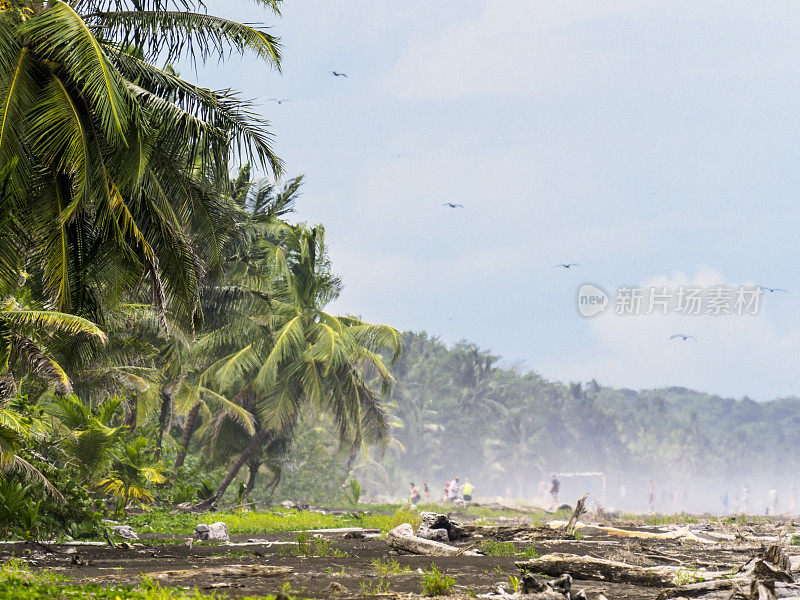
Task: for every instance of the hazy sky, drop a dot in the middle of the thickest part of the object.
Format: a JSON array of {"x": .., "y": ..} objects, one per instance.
[{"x": 647, "y": 141}]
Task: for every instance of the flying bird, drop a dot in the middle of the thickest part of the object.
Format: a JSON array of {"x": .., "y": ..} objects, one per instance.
[
  {"x": 566, "y": 265},
  {"x": 335, "y": 74},
  {"x": 279, "y": 100},
  {"x": 451, "y": 205},
  {"x": 683, "y": 337},
  {"x": 772, "y": 290}
]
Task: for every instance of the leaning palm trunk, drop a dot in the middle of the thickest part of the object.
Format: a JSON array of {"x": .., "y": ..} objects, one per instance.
[
  {"x": 257, "y": 442},
  {"x": 253, "y": 465}
]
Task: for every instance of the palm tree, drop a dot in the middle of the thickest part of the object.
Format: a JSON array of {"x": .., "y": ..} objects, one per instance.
[
  {"x": 25, "y": 334},
  {"x": 86, "y": 436},
  {"x": 473, "y": 377},
  {"x": 297, "y": 355},
  {"x": 132, "y": 476},
  {"x": 114, "y": 158},
  {"x": 16, "y": 429},
  {"x": 230, "y": 300}
]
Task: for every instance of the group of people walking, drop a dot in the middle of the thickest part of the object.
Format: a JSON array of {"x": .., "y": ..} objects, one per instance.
[{"x": 454, "y": 491}]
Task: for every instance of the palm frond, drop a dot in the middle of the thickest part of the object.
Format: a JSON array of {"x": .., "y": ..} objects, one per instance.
[
  {"x": 60, "y": 35},
  {"x": 172, "y": 35},
  {"x": 52, "y": 322}
]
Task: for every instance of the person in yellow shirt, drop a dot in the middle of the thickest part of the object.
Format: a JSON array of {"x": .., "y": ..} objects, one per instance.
[{"x": 468, "y": 489}]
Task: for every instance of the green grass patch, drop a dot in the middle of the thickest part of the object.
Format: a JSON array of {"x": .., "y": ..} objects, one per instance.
[
  {"x": 658, "y": 519},
  {"x": 273, "y": 521},
  {"x": 388, "y": 522},
  {"x": 375, "y": 588},
  {"x": 391, "y": 567},
  {"x": 383, "y": 517},
  {"x": 311, "y": 546},
  {"x": 18, "y": 582},
  {"x": 685, "y": 577},
  {"x": 493, "y": 548}
]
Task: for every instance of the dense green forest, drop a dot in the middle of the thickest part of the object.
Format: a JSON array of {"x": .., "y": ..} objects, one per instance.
[{"x": 460, "y": 413}]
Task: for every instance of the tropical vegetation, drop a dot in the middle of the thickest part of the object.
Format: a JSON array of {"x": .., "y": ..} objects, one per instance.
[{"x": 163, "y": 320}]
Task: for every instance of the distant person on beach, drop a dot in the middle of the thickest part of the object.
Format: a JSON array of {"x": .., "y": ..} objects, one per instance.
[
  {"x": 446, "y": 495},
  {"x": 725, "y": 503},
  {"x": 468, "y": 489},
  {"x": 413, "y": 494},
  {"x": 454, "y": 489},
  {"x": 773, "y": 502},
  {"x": 555, "y": 485},
  {"x": 427, "y": 492}
]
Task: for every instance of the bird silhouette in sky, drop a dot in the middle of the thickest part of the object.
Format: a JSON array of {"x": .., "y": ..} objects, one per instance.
[
  {"x": 279, "y": 100},
  {"x": 451, "y": 205},
  {"x": 772, "y": 290},
  {"x": 683, "y": 337},
  {"x": 335, "y": 74},
  {"x": 566, "y": 265}
]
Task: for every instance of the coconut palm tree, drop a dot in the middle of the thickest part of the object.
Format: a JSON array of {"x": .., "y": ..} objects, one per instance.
[
  {"x": 114, "y": 158},
  {"x": 296, "y": 355},
  {"x": 26, "y": 332},
  {"x": 230, "y": 300}
]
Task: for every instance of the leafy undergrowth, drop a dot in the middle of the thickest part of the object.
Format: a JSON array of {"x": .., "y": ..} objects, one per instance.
[
  {"x": 308, "y": 546},
  {"x": 436, "y": 583},
  {"x": 17, "y": 582},
  {"x": 493, "y": 548}
]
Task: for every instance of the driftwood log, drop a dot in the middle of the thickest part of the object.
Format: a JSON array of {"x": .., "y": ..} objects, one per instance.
[
  {"x": 682, "y": 533},
  {"x": 600, "y": 569},
  {"x": 228, "y": 571},
  {"x": 709, "y": 589},
  {"x": 766, "y": 577},
  {"x": 402, "y": 538},
  {"x": 725, "y": 589}
]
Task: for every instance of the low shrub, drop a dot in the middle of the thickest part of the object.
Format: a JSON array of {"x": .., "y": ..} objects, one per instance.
[{"x": 435, "y": 583}]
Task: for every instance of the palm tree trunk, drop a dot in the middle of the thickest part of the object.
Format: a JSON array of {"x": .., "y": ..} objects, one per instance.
[
  {"x": 188, "y": 430},
  {"x": 273, "y": 485},
  {"x": 133, "y": 412},
  {"x": 253, "y": 465},
  {"x": 166, "y": 416},
  {"x": 256, "y": 443}
]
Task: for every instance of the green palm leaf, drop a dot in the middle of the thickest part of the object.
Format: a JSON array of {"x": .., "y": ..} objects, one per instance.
[
  {"x": 59, "y": 34},
  {"x": 173, "y": 34},
  {"x": 53, "y": 322}
]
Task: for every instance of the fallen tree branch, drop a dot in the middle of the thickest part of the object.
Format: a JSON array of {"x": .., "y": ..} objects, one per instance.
[
  {"x": 402, "y": 538},
  {"x": 580, "y": 508}
]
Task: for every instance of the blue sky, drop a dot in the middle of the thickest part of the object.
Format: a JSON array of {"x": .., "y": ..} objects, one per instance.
[{"x": 647, "y": 141}]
